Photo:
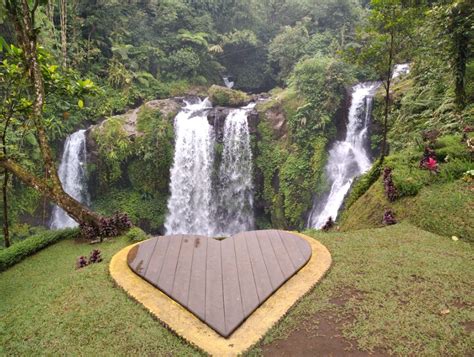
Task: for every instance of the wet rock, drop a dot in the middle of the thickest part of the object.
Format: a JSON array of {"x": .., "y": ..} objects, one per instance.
[{"x": 216, "y": 117}]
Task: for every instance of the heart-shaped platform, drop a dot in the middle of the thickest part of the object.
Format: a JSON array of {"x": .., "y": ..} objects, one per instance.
[
  {"x": 220, "y": 281},
  {"x": 185, "y": 324}
]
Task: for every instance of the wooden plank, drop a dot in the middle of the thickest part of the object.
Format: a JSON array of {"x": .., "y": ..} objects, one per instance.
[
  {"x": 180, "y": 289},
  {"x": 233, "y": 309},
  {"x": 304, "y": 247},
  {"x": 262, "y": 280},
  {"x": 284, "y": 259},
  {"x": 156, "y": 260},
  {"x": 197, "y": 286},
  {"x": 271, "y": 261},
  {"x": 248, "y": 288},
  {"x": 139, "y": 256},
  {"x": 214, "y": 290},
  {"x": 166, "y": 279},
  {"x": 292, "y": 248}
]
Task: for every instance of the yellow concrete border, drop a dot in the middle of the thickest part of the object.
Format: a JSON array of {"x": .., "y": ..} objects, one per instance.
[{"x": 189, "y": 327}]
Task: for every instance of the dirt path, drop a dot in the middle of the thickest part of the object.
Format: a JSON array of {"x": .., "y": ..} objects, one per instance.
[{"x": 321, "y": 336}]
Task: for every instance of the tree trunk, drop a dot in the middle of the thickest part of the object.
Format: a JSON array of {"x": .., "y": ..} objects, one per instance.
[
  {"x": 50, "y": 11},
  {"x": 6, "y": 230},
  {"x": 23, "y": 19},
  {"x": 63, "y": 18},
  {"x": 56, "y": 194},
  {"x": 388, "y": 81}
]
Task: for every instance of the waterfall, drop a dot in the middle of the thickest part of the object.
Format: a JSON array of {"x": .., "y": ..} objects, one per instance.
[
  {"x": 235, "y": 207},
  {"x": 400, "y": 70},
  {"x": 196, "y": 206},
  {"x": 73, "y": 177},
  {"x": 228, "y": 83},
  {"x": 347, "y": 159},
  {"x": 191, "y": 204}
]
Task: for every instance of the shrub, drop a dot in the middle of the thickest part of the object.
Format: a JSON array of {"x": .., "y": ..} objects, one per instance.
[
  {"x": 135, "y": 234},
  {"x": 29, "y": 246},
  {"x": 108, "y": 227},
  {"x": 450, "y": 147},
  {"x": 227, "y": 97}
]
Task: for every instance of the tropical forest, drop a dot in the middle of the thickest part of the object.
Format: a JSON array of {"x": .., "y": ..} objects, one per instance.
[{"x": 237, "y": 177}]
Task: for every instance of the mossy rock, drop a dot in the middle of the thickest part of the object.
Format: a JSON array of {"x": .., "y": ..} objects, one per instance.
[{"x": 227, "y": 97}]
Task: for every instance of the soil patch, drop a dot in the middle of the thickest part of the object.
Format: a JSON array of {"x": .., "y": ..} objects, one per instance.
[{"x": 321, "y": 335}]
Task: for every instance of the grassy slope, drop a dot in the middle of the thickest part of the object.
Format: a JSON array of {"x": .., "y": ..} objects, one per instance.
[
  {"x": 403, "y": 278},
  {"x": 48, "y": 307},
  {"x": 396, "y": 281},
  {"x": 446, "y": 209}
]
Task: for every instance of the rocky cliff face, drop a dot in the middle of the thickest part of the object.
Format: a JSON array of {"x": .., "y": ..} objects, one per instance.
[{"x": 217, "y": 116}]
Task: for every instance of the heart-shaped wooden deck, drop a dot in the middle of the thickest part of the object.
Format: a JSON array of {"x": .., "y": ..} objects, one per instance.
[{"x": 221, "y": 282}]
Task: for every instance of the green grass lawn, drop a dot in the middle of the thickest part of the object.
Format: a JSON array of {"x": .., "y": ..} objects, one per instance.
[{"x": 402, "y": 278}]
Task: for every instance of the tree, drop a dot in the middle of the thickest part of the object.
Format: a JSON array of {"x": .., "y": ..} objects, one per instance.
[
  {"x": 22, "y": 16},
  {"x": 455, "y": 22},
  {"x": 288, "y": 47},
  {"x": 386, "y": 37}
]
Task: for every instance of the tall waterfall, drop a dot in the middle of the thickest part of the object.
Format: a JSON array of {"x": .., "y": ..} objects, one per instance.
[
  {"x": 73, "y": 177},
  {"x": 347, "y": 159},
  {"x": 195, "y": 205},
  {"x": 191, "y": 205},
  {"x": 235, "y": 207}
]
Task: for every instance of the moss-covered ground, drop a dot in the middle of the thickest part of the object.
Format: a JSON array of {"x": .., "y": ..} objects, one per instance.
[
  {"x": 412, "y": 296},
  {"x": 446, "y": 209}
]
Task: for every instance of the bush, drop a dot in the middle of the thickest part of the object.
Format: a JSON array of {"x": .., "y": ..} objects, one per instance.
[
  {"x": 29, "y": 246},
  {"x": 450, "y": 147},
  {"x": 135, "y": 234},
  {"x": 227, "y": 97}
]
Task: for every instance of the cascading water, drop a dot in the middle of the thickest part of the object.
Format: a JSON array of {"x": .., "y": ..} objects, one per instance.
[
  {"x": 228, "y": 83},
  {"x": 235, "y": 206},
  {"x": 195, "y": 206},
  {"x": 73, "y": 177},
  {"x": 400, "y": 70},
  {"x": 191, "y": 205},
  {"x": 348, "y": 158}
]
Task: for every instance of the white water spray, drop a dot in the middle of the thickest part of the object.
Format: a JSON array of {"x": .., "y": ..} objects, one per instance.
[
  {"x": 400, "y": 70},
  {"x": 347, "y": 159},
  {"x": 235, "y": 191},
  {"x": 73, "y": 177},
  {"x": 190, "y": 205},
  {"x": 228, "y": 83},
  {"x": 195, "y": 205}
]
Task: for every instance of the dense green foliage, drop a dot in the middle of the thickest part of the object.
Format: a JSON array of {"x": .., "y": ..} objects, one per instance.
[
  {"x": 438, "y": 202},
  {"x": 131, "y": 173},
  {"x": 137, "y": 51},
  {"x": 291, "y": 168},
  {"x": 31, "y": 245}
]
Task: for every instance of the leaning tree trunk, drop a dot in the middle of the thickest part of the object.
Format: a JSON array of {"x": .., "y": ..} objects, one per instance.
[
  {"x": 54, "y": 192},
  {"x": 23, "y": 19}
]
